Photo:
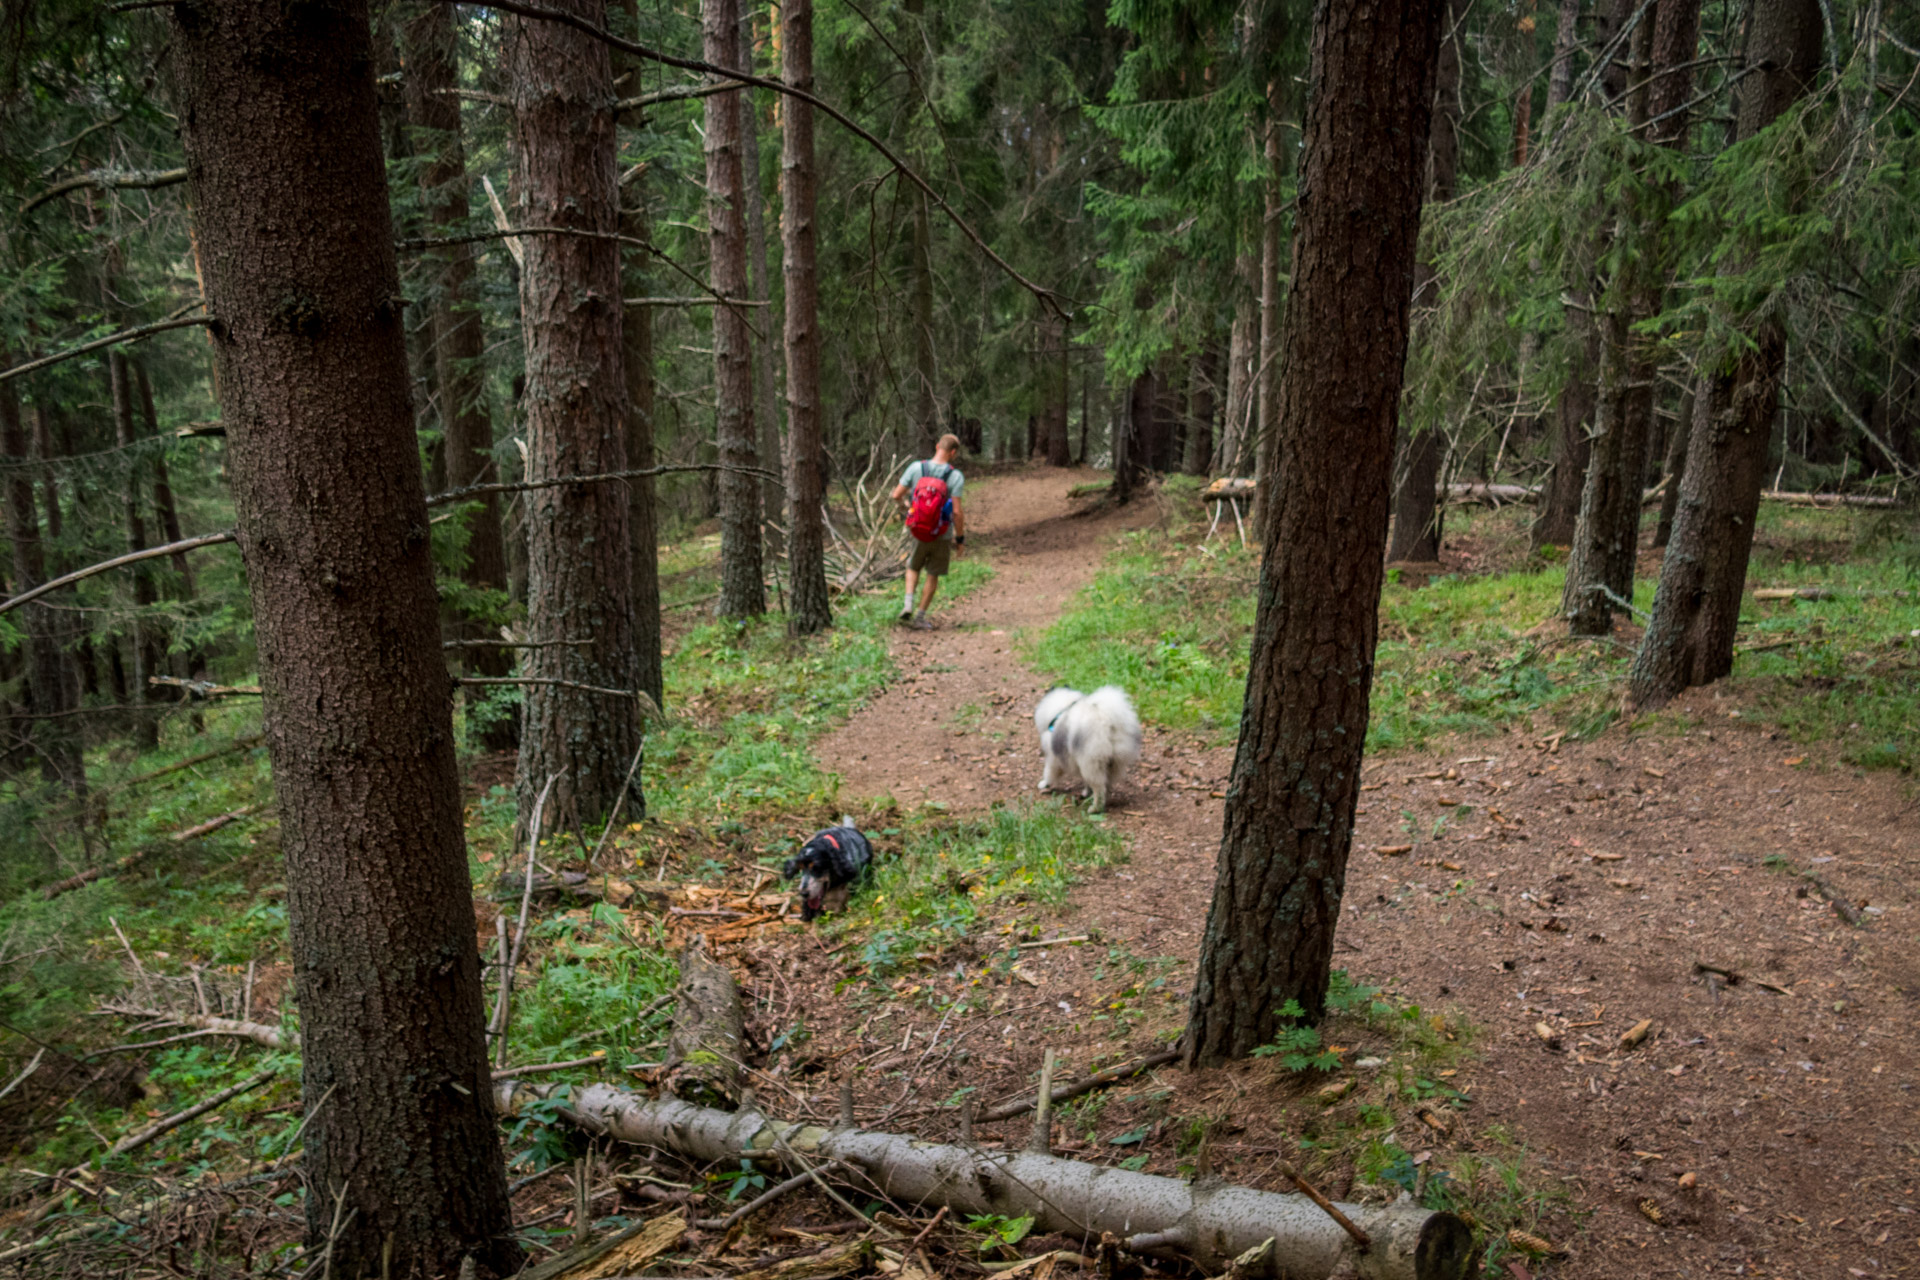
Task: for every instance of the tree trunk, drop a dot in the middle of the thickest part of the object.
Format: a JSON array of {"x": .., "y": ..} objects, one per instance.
[
  {"x": 52, "y": 694},
  {"x": 432, "y": 74},
  {"x": 1607, "y": 541},
  {"x": 1417, "y": 510},
  {"x": 1053, "y": 391},
  {"x": 742, "y": 592},
  {"x": 163, "y": 503},
  {"x": 278, "y": 121},
  {"x": 1566, "y": 38},
  {"x": 579, "y": 574},
  {"x": 1201, "y": 380},
  {"x": 1266, "y": 378},
  {"x": 705, "y": 1048},
  {"x": 1128, "y": 428},
  {"x": 773, "y": 494},
  {"x": 810, "y": 609},
  {"x": 643, "y": 521},
  {"x": 1696, "y": 611},
  {"x": 149, "y": 647},
  {"x": 1416, "y": 504},
  {"x": 1296, "y": 774},
  {"x": 1242, "y": 354},
  {"x": 1675, "y": 469},
  {"x": 1570, "y": 446}
]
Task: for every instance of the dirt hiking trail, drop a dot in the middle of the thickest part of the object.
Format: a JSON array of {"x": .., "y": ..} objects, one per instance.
[{"x": 1554, "y": 893}]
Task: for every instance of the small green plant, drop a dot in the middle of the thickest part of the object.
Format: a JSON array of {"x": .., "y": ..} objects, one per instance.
[
  {"x": 996, "y": 1231},
  {"x": 1298, "y": 1047}
]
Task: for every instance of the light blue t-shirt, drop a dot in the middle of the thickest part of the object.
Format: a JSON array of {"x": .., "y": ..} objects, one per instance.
[{"x": 955, "y": 477}]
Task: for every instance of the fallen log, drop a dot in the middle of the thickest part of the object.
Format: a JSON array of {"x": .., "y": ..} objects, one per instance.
[
  {"x": 1830, "y": 499},
  {"x": 259, "y": 1032},
  {"x": 703, "y": 1050},
  {"x": 1208, "y": 1220}
]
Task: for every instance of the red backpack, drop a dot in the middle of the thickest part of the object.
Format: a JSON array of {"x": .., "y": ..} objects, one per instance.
[{"x": 932, "y": 509}]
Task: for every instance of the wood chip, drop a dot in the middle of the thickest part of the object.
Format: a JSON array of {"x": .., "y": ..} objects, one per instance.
[
  {"x": 1393, "y": 850},
  {"x": 1547, "y": 1035},
  {"x": 1631, "y": 1038},
  {"x": 1608, "y": 857}
]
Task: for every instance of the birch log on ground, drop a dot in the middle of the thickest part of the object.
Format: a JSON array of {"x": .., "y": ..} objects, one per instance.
[
  {"x": 1211, "y": 1221},
  {"x": 703, "y": 1050}
]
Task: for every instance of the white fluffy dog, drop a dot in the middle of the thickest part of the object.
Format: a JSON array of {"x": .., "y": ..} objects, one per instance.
[{"x": 1086, "y": 739}]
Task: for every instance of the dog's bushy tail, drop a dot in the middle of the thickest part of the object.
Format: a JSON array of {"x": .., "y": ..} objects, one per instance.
[{"x": 1120, "y": 726}]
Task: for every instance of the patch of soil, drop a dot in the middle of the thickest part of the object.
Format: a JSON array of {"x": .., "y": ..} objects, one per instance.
[{"x": 1577, "y": 886}]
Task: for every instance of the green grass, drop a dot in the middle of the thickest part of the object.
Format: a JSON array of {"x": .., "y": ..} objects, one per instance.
[
  {"x": 947, "y": 871},
  {"x": 1172, "y": 622},
  {"x": 747, "y": 702}
]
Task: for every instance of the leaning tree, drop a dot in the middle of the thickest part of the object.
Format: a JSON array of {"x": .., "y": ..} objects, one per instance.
[
  {"x": 279, "y": 123},
  {"x": 1289, "y": 818}
]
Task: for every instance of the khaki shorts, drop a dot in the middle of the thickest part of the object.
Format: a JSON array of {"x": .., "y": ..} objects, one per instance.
[{"x": 935, "y": 557}]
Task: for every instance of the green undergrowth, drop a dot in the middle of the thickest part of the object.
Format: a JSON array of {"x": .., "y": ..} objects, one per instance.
[
  {"x": 935, "y": 875},
  {"x": 1170, "y": 619},
  {"x": 746, "y": 702},
  {"x": 735, "y": 764}
]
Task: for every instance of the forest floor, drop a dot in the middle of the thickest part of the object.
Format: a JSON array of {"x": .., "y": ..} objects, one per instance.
[
  {"x": 1534, "y": 876},
  {"x": 1766, "y": 1123}
]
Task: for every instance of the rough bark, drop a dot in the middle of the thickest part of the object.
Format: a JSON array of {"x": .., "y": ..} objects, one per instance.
[
  {"x": 149, "y": 642},
  {"x": 1417, "y": 512},
  {"x": 1210, "y": 1221},
  {"x": 1566, "y": 37},
  {"x": 431, "y": 75},
  {"x": 810, "y": 609},
  {"x": 579, "y": 571},
  {"x": 643, "y": 520},
  {"x": 704, "y": 1050},
  {"x": 1296, "y": 774},
  {"x": 742, "y": 593},
  {"x": 1415, "y": 535},
  {"x": 1696, "y": 611},
  {"x": 47, "y": 682},
  {"x": 278, "y": 121}
]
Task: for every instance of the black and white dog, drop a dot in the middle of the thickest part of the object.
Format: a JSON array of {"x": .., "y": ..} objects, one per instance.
[
  {"x": 1086, "y": 738},
  {"x": 828, "y": 864}
]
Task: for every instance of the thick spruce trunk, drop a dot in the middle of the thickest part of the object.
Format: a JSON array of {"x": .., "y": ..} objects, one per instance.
[
  {"x": 643, "y": 521},
  {"x": 432, "y": 74},
  {"x": 1696, "y": 611},
  {"x": 1417, "y": 510},
  {"x": 742, "y": 591},
  {"x": 278, "y": 121},
  {"x": 579, "y": 571},
  {"x": 1296, "y": 774},
  {"x": 810, "y": 609}
]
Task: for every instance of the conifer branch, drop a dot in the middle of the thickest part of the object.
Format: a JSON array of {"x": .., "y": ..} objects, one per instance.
[{"x": 1047, "y": 297}]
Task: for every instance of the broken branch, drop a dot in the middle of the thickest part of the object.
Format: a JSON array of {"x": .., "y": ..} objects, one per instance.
[
  {"x": 1098, "y": 1080},
  {"x": 159, "y": 1127}
]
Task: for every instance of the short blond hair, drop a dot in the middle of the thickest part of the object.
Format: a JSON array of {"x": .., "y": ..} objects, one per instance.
[{"x": 948, "y": 443}]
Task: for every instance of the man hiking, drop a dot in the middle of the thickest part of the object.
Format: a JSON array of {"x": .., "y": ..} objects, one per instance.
[{"x": 928, "y": 495}]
